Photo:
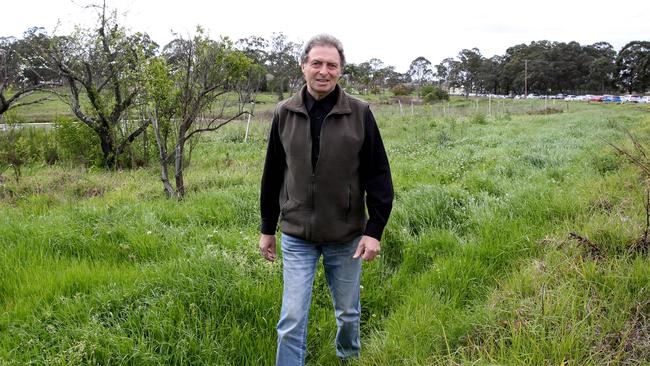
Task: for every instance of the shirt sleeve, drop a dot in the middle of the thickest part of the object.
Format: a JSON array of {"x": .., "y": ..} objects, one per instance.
[
  {"x": 272, "y": 179},
  {"x": 375, "y": 178}
]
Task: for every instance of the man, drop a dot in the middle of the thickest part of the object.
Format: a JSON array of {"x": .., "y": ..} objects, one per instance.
[{"x": 325, "y": 161}]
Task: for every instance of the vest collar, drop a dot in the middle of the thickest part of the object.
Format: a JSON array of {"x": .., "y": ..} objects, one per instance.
[{"x": 297, "y": 104}]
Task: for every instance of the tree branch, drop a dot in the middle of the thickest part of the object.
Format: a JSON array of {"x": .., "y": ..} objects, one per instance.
[
  {"x": 132, "y": 137},
  {"x": 209, "y": 128},
  {"x": 631, "y": 158},
  {"x": 22, "y": 104}
]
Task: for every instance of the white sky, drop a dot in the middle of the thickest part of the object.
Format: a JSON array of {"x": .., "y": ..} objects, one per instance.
[{"x": 396, "y": 32}]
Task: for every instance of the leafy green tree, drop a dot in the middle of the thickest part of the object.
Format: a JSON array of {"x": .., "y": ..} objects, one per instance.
[
  {"x": 357, "y": 76},
  {"x": 448, "y": 73},
  {"x": 420, "y": 71},
  {"x": 187, "y": 93},
  {"x": 602, "y": 67},
  {"x": 470, "y": 69},
  {"x": 283, "y": 64},
  {"x": 633, "y": 66},
  {"x": 393, "y": 78},
  {"x": 490, "y": 75},
  {"x": 256, "y": 49}
]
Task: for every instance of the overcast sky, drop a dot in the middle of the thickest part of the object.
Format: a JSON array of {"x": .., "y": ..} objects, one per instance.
[{"x": 396, "y": 32}]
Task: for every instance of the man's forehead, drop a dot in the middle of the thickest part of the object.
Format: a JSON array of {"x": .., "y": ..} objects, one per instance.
[{"x": 324, "y": 53}]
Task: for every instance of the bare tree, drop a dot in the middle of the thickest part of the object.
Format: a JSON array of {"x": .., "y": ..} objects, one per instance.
[
  {"x": 21, "y": 69},
  {"x": 105, "y": 67}
]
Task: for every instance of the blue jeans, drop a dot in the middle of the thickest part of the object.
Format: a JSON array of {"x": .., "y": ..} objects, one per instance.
[{"x": 299, "y": 260}]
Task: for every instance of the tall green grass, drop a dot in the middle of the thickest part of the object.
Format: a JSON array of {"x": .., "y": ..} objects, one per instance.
[{"x": 477, "y": 266}]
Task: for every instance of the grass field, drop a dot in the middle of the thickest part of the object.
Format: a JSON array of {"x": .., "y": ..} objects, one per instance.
[{"x": 478, "y": 265}]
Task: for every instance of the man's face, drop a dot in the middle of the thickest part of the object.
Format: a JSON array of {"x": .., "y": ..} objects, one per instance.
[{"x": 322, "y": 70}]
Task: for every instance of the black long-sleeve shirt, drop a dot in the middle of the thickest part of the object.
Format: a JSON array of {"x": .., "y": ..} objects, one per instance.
[{"x": 374, "y": 172}]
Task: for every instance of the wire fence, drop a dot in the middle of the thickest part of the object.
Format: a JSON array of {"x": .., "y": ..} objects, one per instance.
[{"x": 470, "y": 107}]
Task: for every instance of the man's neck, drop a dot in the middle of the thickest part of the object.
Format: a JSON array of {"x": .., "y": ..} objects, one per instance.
[{"x": 317, "y": 96}]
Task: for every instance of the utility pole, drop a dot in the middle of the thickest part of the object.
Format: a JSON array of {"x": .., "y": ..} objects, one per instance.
[{"x": 526, "y": 78}]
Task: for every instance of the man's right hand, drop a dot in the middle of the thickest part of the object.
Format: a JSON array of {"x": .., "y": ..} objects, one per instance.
[{"x": 267, "y": 247}]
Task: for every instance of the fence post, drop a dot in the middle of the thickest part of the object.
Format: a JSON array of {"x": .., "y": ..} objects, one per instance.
[
  {"x": 545, "y": 103},
  {"x": 490, "y": 105},
  {"x": 248, "y": 126}
]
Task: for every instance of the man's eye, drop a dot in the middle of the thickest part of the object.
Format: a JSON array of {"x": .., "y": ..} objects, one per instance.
[
  {"x": 332, "y": 66},
  {"x": 316, "y": 63}
]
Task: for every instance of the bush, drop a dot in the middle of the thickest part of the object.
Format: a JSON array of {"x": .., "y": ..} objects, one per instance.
[
  {"x": 401, "y": 89},
  {"x": 11, "y": 155},
  {"x": 432, "y": 94},
  {"x": 21, "y": 144},
  {"x": 77, "y": 142},
  {"x": 38, "y": 145}
]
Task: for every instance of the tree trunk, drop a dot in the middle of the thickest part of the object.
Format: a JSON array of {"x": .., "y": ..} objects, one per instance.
[
  {"x": 178, "y": 164},
  {"x": 108, "y": 150},
  {"x": 280, "y": 89},
  {"x": 162, "y": 153},
  {"x": 145, "y": 147}
]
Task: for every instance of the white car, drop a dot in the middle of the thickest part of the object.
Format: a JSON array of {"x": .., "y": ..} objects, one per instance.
[{"x": 631, "y": 99}]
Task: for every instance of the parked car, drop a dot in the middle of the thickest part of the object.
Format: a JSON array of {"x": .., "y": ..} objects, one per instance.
[
  {"x": 596, "y": 98},
  {"x": 632, "y": 99},
  {"x": 611, "y": 99}
]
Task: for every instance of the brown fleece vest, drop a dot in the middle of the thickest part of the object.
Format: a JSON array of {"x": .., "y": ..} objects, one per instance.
[{"x": 324, "y": 204}]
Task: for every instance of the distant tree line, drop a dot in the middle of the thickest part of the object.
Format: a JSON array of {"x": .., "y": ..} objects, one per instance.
[
  {"x": 542, "y": 67},
  {"x": 545, "y": 67}
]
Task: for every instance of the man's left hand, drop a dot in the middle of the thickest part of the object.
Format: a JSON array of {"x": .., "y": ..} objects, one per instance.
[{"x": 368, "y": 248}]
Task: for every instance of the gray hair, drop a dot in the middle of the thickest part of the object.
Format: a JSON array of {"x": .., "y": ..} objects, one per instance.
[{"x": 322, "y": 40}]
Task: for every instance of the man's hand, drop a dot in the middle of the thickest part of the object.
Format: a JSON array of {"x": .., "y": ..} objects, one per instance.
[
  {"x": 267, "y": 247},
  {"x": 368, "y": 248}
]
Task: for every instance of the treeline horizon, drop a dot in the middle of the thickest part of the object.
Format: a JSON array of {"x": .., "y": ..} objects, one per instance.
[{"x": 541, "y": 67}]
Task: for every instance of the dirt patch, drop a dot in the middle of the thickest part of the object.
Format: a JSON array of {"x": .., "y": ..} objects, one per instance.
[
  {"x": 591, "y": 248},
  {"x": 630, "y": 345},
  {"x": 601, "y": 205}
]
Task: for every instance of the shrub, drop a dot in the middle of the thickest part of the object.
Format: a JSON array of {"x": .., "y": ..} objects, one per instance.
[
  {"x": 21, "y": 144},
  {"x": 38, "y": 145},
  {"x": 401, "y": 89},
  {"x": 432, "y": 94},
  {"x": 77, "y": 142},
  {"x": 11, "y": 155}
]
